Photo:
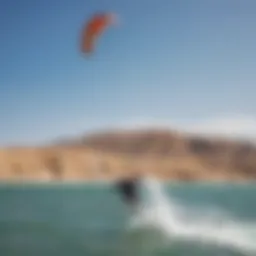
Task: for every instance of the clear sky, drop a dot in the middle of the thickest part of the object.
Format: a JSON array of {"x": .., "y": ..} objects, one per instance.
[{"x": 174, "y": 62}]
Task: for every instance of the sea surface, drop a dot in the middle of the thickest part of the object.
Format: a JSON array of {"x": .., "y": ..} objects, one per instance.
[{"x": 90, "y": 219}]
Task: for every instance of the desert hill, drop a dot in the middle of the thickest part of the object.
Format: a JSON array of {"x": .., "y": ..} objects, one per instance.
[{"x": 107, "y": 155}]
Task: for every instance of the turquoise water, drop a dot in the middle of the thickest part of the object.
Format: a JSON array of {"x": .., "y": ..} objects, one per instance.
[{"x": 197, "y": 220}]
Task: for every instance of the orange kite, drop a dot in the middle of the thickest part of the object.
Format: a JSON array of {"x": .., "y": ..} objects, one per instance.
[{"x": 93, "y": 29}]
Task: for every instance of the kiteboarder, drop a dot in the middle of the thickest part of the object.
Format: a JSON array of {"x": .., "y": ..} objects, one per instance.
[{"x": 128, "y": 187}]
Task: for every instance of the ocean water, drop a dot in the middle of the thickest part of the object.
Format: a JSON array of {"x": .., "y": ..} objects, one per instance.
[{"x": 90, "y": 219}]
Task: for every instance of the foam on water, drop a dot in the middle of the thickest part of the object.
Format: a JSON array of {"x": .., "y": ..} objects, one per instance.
[{"x": 175, "y": 221}]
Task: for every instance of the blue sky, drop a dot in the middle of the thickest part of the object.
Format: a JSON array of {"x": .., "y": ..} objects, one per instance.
[{"x": 184, "y": 63}]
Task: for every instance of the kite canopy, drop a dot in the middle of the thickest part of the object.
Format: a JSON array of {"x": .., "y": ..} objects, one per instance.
[{"x": 94, "y": 28}]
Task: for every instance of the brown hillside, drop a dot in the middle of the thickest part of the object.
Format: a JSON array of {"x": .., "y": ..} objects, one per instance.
[
  {"x": 224, "y": 158},
  {"x": 168, "y": 155}
]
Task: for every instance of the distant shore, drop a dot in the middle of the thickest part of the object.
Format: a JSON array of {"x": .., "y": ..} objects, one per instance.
[
  {"x": 168, "y": 156},
  {"x": 86, "y": 166}
]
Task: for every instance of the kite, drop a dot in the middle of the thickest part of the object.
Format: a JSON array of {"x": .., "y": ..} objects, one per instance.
[{"x": 93, "y": 29}]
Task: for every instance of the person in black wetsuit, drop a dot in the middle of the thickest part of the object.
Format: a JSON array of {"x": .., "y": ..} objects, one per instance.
[{"x": 128, "y": 188}]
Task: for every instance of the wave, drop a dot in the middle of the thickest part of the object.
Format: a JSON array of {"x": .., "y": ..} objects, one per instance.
[{"x": 177, "y": 221}]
